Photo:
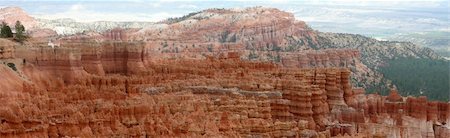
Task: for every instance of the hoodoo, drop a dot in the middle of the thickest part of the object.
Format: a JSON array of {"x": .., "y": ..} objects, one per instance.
[{"x": 254, "y": 72}]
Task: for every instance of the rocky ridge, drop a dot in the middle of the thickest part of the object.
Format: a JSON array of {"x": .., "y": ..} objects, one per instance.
[
  {"x": 69, "y": 26},
  {"x": 265, "y": 34},
  {"x": 374, "y": 52},
  {"x": 260, "y": 33}
]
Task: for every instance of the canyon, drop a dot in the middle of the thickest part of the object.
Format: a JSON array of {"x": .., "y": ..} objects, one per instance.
[
  {"x": 260, "y": 33},
  {"x": 254, "y": 72},
  {"x": 116, "y": 89}
]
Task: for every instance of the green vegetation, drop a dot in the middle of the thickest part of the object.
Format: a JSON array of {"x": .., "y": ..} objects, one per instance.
[
  {"x": 442, "y": 52},
  {"x": 179, "y": 19},
  {"x": 276, "y": 58},
  {"x": 227, "y": 36},
  {"x": 6, "y": 31},
  {"x": 233, "y": 38},
  {"x": 276, "y": 48},
  {"x": 12, "y": 66},
  {"x": 380, "y": 88},
  {"x": 210, "y": 48},
  {"x": 253, "y": 55},
  {"x": 20, "y": 32},
  {"x": 431, "y": 39},
  {"x": 311, "y": 43},
  {"x": 419, "y": 77},
  {"x": 224, "y": 36},
  {"x": 165, "y": 44},
  {"x": 191, "y": 16},
  {"x": 291, "y": 48}
]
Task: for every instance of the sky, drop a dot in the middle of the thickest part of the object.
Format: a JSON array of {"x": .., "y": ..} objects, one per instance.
[{"x": 376, "y": 17}]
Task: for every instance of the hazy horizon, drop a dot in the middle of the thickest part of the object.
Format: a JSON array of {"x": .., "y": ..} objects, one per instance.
[{"x": 377, "y": 19}]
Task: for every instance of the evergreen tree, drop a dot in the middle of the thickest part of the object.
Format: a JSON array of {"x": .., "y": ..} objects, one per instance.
[
  {"x": 5, "y": 31},
  {"x": 20, "y": 32},
  {"x": 419, "y": 77}
]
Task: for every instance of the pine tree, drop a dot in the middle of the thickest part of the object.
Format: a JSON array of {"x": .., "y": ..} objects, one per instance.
[
  {"x": 5, "y": 31},
  {"x": 20, "y": 32}
]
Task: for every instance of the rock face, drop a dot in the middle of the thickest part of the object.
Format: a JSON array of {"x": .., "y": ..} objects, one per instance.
[
  {"x": 6, "y": 49},
  {"x": 112, "y": 57},
  {"x": 258, "y": 33},
  {"x": 116, "y": 34},
  {"x": 112, "y": 89},
  {"x": 214, "y": 30},
  {"x": 372, "y": 49},
  {"x": 63, "y": 64}
]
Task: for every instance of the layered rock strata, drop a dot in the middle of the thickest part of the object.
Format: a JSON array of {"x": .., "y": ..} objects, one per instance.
[{"x": 62, "y": 94}]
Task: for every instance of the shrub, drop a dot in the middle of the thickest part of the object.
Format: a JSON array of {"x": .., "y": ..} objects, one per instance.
[{"x": 12, "y": 66}]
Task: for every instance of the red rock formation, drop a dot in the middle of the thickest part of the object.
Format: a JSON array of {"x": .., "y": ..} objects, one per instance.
[
  {"x": 187, "y": 80},
  {"x": 335, "y": 96},
  {"x": 116, "y": 34},
  {"x": 11, "y": 83},
  {"x": 417, "y": 107},
  {"x": 42, "y": 34},
  {"x": 63, "y": 64},
  {"x": 91, "y": 60},
  {"x": 394, "y": 97},
  {"x": 280, "y": 110},
  {"x": 320, "y": 107},
  {"x": 441, "y": 131},
  {"x": 122, "y": 58},
  {"x": 300, "y": 102},
  {"x": 110, "y": 56},
  {"x": 87, "y": 89},
  {"x": 6, "y": 49}
]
